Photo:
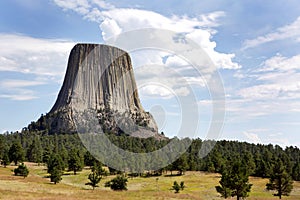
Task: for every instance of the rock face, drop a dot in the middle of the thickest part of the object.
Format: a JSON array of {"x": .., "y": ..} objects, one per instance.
[{"x": 100, "y": 83}]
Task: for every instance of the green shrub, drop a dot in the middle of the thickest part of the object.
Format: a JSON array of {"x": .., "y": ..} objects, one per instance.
[
  {"x": 118, "y": 183},
  {"x": 21, "y": 170}
]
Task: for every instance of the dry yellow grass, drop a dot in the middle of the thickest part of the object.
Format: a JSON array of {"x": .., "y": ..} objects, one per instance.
[{"x": 199, "y": 185}]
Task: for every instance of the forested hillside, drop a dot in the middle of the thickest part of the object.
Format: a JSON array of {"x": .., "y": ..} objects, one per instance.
[{"x": 259, "y": 159}]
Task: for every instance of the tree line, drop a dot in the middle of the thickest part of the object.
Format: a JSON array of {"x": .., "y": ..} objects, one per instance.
[
  {"x": 234, "y": 160},
  {"x": 259, "y": 159}
]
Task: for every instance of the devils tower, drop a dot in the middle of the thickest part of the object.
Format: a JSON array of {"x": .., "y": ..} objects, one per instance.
[{"x": 99, "y": 80}]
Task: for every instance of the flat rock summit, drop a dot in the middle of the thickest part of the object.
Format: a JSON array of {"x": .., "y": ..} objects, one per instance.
[{"x": 99, "y": 84}]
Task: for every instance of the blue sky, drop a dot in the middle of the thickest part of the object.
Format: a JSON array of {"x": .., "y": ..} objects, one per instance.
[{"x": 255, "y": 46}]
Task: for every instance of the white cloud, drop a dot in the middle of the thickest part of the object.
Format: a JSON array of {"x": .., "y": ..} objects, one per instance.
[
  {"x": 282, "y": 63},
  {"x": 19, "y": 83},
  {"x": 103, "y": 4},
  {"x": 286, "y": 32},
  {"x": 272, "y": 90},
  {"x": 284, "y": 142},
  {"x": 46, "y": 59},
  {"x": 21, "y": 95},
  {"x": 113, "y": 21},
  {"x": 160, "y": 81},
  {"x": 18, "y": 89},
  {"x": 122, "y": 20},
  {"x": 156, "y": 91},
  {"x": 80, "y": 6},
  {"x": 278, "y": 77},
  {"x": 42, "y": 57},
  {"x": 253, "y": 137}
]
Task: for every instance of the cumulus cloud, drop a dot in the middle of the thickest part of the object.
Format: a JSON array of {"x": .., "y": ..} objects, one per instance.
[
  {"x": 200, "y": 29},
  {"x": 113, "y": 21},
  {"x": 289, "y": 31},
  {"x": 42, "y": 57},
  {"x": 122, "y": 20},
  {"x": 161, "y": 81}
]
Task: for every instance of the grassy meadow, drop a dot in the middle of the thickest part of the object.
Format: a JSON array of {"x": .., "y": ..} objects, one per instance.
[{"x": 199, "y": 185}]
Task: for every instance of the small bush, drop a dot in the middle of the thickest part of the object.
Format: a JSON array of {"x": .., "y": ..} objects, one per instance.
[
  {"x": 118, "y": 183},
  {"x": 21, "y": 170},
  {"x": 178, "y": 187}
]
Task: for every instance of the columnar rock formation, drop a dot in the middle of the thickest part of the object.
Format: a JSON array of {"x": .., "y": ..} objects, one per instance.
[{"x": 99, "y": 79}]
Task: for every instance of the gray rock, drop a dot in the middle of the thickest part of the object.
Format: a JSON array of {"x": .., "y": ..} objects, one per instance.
[{"x": 99, "y": 83}]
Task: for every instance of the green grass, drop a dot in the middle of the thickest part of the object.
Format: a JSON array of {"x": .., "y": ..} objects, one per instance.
[{"x": 199, "y": 185}]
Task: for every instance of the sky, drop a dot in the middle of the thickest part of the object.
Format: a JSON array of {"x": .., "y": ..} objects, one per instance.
[{"x": 254, "y": 45}]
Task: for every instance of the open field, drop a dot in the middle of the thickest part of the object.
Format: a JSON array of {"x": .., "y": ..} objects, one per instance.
[{"x": 199, "y": 185}]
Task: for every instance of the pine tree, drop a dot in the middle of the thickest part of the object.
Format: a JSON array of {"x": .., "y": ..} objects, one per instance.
[
  {"x": 54, "y": 163},
  {"x": 296, "y": 171},
  {"x": 181, "y": 164},
  {"x": 75, "y": 162},
  {"x": 94, "y": 178},
  {"x": 16, "y": 153},
  {"x": 98, "y": 169},
  {"x": 234, "y": 181},
  {"x": 55, "y": 167},
  {"x": 225, "y": 189},
  {"x": 55, "y": 175},
  {"x": 35, "y": 151},
  {"x": 5, "y": 160},
  {"x": 176, "y": 187},
  {"x": 280, "y": 180},
  {"x": 89, "y": 160}
]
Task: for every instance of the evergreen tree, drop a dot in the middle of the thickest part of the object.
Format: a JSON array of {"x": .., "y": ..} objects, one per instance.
[
  {"x": 89, "y": 160},
  {"x": 54, "y": 163},
  {"x": 218, "y": 162},
  {"x": 63, "y": 153},
  {"x": 35, "y": 151},
  {"x": 55, "y": 167},
  {"x": 55, "y": 175},
  {"x": 210, "y": 167},
  {"x": 94, "y": 178},
  {"x": 296, "y": 172},
  {"x": 176, "y": 187},
  {"x": 46, "y": 155},
  {"x": 16, "y": 153},
  {"x": 280, "y": 180},
  {"x": 21, "y": 170},
  {"x": 234, "y": 181},
  {"x": 98, "y": 169},
  {"x": 182, "y": 186},
  {"x": 75, "y": 162},
  {"x": 248, "y": 160},
  {"x": 181, "y": 164},
  {"x": 5, "y": 158},
  {"x": 2, "y": 145}
]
